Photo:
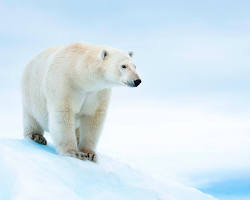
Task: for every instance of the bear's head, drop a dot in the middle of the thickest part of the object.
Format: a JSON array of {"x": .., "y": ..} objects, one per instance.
[{"x": 118, "y": 68}]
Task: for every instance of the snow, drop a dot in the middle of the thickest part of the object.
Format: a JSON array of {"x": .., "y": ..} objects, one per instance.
[{"x": 30, "y": 171}]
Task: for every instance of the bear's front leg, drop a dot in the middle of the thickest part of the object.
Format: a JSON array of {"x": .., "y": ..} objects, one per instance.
[
  {"x": 62, "y": 129},
  {"x": 90, "y": 129}
]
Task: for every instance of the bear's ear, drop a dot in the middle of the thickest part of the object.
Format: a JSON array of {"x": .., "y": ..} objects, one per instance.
[
  {"x": 131, "y": 53},
  {"x": 103, "y": 54}
]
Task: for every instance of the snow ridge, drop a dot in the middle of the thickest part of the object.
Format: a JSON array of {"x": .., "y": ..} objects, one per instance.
[{"x": 30, "y": 171}]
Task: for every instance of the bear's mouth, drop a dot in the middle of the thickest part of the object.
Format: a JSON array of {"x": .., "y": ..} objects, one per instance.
[{"x": 129, "y": 83}]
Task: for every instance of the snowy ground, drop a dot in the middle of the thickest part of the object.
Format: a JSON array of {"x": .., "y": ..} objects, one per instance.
[
  {"x": 30, "y": 171},
  {"x": 203, "y": 147},
  {"x": 206, "y": 145}
]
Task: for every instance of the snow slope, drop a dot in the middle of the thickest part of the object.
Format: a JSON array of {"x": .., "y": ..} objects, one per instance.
[{"x": 30, "y": 171}]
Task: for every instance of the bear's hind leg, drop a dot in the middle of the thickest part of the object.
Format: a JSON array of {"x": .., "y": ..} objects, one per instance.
[
  {"x": 39, "y": 138},
  {"x": 32, "y": 129}
]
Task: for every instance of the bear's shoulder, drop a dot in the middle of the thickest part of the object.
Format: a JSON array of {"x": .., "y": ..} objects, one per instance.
[{"x": 81, "y": 47}]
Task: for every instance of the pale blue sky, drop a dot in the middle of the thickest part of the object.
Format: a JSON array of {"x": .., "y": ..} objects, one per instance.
[{"x": 181, "y": 47}]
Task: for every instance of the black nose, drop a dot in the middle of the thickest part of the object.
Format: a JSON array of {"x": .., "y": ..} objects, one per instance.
[{"x": 137, "y": 82}]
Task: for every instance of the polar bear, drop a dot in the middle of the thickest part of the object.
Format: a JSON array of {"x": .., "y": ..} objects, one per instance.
[{"x": 66, "y": 91}]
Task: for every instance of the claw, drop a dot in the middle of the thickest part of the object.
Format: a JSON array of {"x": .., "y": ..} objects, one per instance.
[{"x": 83, "y": 156}]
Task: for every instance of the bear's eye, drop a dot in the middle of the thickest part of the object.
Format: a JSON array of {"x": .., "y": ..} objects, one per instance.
[{"x": 124, "y": 66}]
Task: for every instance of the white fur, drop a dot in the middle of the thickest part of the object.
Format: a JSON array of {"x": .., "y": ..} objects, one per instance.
[{"x": 66, "y": 89}]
